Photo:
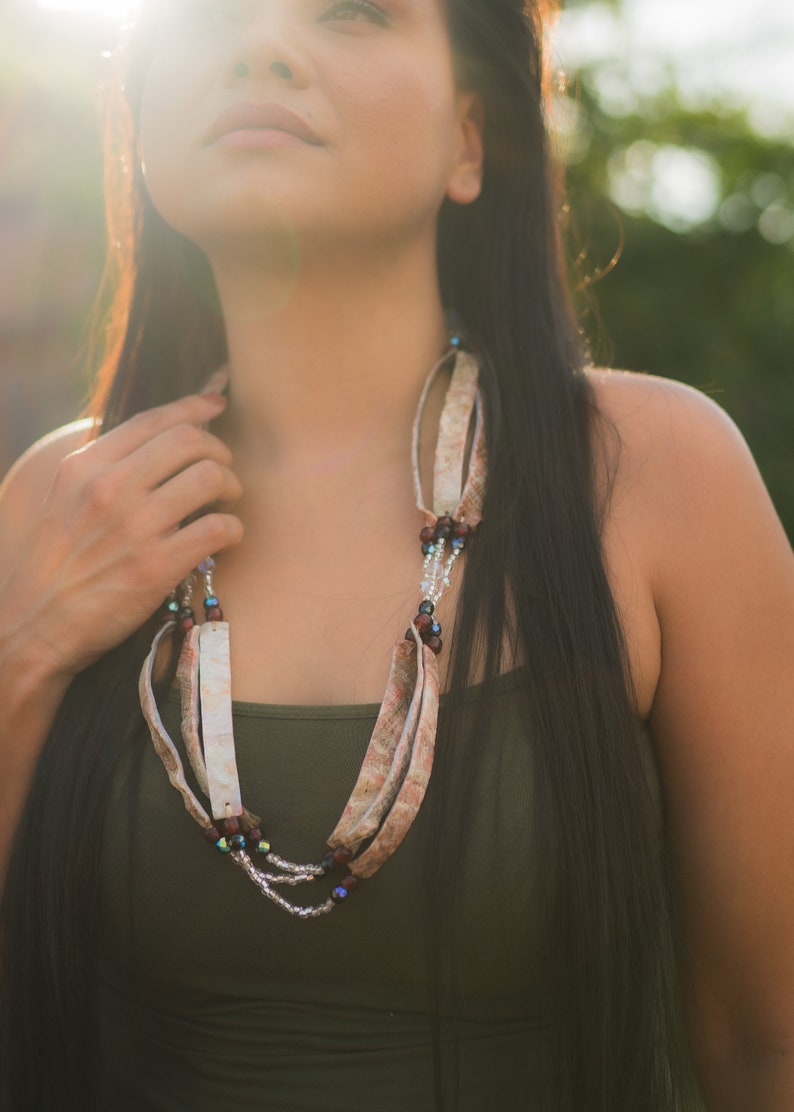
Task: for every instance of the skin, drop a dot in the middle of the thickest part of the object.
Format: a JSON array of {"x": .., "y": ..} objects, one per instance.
[{"x": 311, "y": 458}]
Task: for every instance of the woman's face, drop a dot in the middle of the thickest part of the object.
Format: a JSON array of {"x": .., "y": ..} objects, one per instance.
[{"x": 379, "y": 133}]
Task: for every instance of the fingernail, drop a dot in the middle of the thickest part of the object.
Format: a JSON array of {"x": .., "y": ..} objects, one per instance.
[
  {"x": 215, "y": 399},
  {"x": 217, "y": 382}
]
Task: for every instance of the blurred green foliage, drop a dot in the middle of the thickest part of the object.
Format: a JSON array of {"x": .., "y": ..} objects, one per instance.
[{"x": 710, "y": 303}]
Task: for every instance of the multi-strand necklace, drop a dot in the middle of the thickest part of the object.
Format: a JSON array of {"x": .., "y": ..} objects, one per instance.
[{"x": 397, "y": 765}]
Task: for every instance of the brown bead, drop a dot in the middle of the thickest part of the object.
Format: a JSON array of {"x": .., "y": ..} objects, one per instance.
[
  {"x": 231, "y": 826},
  {"x": 351, "y": 883},
  {"x": 435, "y": 644},
  {"x": 342, "y": 855},
  {"x": 427, "y": 536},
  {"x": 212, "y": 834},
  {"x": 462, "y": 531},
  {"x": 186, "y": 624},
  {"x": 423, "y": 623},
  {"x": 255, "y": 834},
  {"x": 214, "y": 614}
]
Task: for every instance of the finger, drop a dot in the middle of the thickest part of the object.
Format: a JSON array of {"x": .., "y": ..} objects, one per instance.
[
  {"x": 200, "y": 485},
  {"x": 206, "y": 536},
  {"x": 195, "y": 409},
  {"x": 172, "y": 451}
]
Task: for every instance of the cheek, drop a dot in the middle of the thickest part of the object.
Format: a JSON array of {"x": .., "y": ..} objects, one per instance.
[{"x": 402, "y": 129}]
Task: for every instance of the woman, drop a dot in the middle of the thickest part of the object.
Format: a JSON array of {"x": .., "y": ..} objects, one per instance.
[{"x": 325, "y": 182}]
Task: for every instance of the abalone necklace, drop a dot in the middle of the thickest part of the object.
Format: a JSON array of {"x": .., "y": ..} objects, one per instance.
[{"x": 397, "y": 765}]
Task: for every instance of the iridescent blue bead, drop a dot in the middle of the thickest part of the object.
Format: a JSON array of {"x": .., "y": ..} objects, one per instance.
[
  {"x": 455, "y": 341},
  {"x": 428, "y": 549},
  {"x": 206, "y": 566},
  {"x": 236, "y": 843},
  {"x": 340, "y": 894},
  {"x": 211, "y": 601},
  {"x": 223, "y": 844},
  {"x": 435, "y": 629},
  {"x": 263, "y": 847},
  {"x": 458, "y": 544},
  {"x": 426, "y": 607},
  {"x": 173, "y": 606},
  {"x": 328, "y": 862}
]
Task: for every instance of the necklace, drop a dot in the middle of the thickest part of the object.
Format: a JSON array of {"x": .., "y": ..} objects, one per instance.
[{"x": 396, "y": 769}]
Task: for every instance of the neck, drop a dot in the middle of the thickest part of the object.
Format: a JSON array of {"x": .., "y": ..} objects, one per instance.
[{"x": 328, "y": 355}]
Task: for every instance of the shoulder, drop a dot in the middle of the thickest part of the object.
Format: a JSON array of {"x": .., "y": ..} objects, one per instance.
[
  {"x": 676, "y": 463},
  {"x": 691, "y": 538},
  {"x": 661, "y": 423},
  {"x": 26, "y": 485}
]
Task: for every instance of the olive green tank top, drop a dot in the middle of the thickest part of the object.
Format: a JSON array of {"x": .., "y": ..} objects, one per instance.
[{"x": 210, "y": 997}]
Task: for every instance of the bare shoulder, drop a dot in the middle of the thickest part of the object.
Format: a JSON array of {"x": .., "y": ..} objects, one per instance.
[
  {"x": 27, "y": 483},
  {"x": 663, "y": 425},
  {"x": 678, "y": 464}
]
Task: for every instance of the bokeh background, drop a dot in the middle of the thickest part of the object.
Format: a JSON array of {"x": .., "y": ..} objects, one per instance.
[{"x": 675, "y": 119}]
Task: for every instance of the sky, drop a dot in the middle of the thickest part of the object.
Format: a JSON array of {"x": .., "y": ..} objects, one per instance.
[{"x": 734, "y": 52}]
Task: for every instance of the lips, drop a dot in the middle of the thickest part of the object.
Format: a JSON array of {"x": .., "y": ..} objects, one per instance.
[{"x": 260, "y": 117}]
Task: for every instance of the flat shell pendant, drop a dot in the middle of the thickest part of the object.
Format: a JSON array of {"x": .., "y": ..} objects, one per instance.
[{"x": 216, "y": 720}]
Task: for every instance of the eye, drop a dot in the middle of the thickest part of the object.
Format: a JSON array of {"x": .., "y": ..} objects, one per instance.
[{"x": 357, "y": 9}]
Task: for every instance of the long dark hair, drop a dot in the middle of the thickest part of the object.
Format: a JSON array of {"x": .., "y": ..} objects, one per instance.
[{"x": 535, "y": 593}]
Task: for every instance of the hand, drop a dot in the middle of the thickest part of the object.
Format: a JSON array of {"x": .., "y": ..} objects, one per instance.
[{"x": 109, "y": 545}]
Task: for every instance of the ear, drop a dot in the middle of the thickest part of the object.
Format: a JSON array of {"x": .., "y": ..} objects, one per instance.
[{"x": 465, "y": 181}]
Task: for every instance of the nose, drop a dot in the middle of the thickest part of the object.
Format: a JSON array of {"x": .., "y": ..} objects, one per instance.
[{"x": 271, "y": 47}]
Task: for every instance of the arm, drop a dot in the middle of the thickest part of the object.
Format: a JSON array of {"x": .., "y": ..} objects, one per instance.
[
  {"x": 722, "y": 578},
  {"x": 90, "y": 545}
]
